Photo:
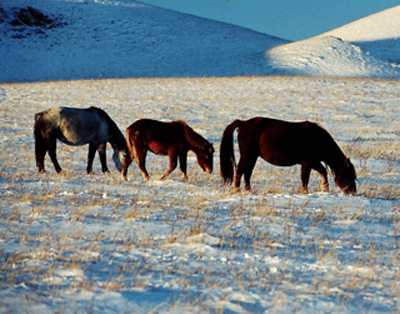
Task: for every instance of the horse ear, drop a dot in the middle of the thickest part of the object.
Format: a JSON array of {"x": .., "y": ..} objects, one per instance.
[{"x": 347, "y": 162}]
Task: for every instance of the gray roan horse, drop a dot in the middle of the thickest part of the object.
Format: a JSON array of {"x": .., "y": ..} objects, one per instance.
[{"x": 74, "y": 126}]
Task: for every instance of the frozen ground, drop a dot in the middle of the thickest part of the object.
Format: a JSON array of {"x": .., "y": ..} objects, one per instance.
[{"x": 94, "y": 244}]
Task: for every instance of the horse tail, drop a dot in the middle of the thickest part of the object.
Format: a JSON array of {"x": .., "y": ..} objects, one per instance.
[
  {"x": 227, "y": 156},
  {"x": 40, "y": 141},
  {"x": 129, "y": 144}
]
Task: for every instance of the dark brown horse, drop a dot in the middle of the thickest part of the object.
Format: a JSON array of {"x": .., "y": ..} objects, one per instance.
[
  {"x": 174, "y": 139},
  {"x": 74, "y": 126},
  {"x": 284, "y": 143}
]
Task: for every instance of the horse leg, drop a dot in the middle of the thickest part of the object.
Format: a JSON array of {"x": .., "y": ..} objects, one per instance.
[
  {"x": 127, "y": 161},
  {"x": 91, "y": 154},
  {"x": 183, "y": 164},
  {"x": 306, "y": 168},
  {"x": 41, "y": 149},
  {"x": 305, "y": 176},
  {"x": 53, "y": 155},
  {"x": 102, "y": 149},
  {"x": 238, "y": 174},
  {"x": 324, "y": 175},
  {"x": 141, "y": 161},
  {"x": 173, "y": 162},
  {"x": 247, "y": 173}
]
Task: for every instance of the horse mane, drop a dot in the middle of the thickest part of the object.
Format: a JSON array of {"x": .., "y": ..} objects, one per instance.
[
  {"x": 335, "y": 153},
  {"x": 194, "y": 139}
]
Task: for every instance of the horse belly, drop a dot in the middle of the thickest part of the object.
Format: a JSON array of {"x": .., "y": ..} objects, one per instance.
[
  {"x": 280, "y": 153},
  {"x": 158, "y": 149}
]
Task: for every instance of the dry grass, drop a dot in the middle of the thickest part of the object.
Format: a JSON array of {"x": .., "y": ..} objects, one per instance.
[{"x": 283, "y": 246}]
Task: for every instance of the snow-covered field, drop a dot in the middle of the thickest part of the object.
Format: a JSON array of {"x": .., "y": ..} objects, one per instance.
[
  {"x": 93, "y": 243},
  {"x": 78, "y": 243}
]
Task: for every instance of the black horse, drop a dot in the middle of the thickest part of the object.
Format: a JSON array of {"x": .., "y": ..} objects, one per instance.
[
  {"x": 77, "y": 127},
  {"x": 284, "y": 143},
  {"x": 174, "y": 139}
]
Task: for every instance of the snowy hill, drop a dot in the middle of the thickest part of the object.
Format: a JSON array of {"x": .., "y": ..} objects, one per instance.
[
  {"x": 366, "y": 48},
  {"x": 64, "y": 40},
  {"x": 109, "y": 39}
]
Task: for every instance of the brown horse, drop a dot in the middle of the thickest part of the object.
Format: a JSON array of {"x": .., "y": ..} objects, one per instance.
[
  {"x": 74, "y": 126},
  {"x": 174, "y": 139},
  {"x": 284, "y": 143}
]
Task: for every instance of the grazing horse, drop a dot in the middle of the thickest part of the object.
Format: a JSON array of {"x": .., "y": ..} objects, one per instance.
[
  {"x": 174, "y": 139},
  {"x": 284, "y": 143},
  {"x": 77, "y": 127}
]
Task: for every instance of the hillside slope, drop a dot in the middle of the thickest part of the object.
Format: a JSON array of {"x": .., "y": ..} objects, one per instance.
[
  {"x": 65, "y": 40},
  {"x": 366, "y": 48},
  {"x": 107, "y": 39}
]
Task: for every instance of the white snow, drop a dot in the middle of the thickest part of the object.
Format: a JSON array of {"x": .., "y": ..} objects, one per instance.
[
  {"x": 369, "y": 47},
  {"x": 77, "y": 243},
  {"x": 120, "y": 39}
]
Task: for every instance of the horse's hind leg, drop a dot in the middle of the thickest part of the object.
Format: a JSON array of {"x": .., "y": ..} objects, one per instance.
[
  {"x": 141, "y": 161},
  {"x": 245, "y": 167},
  {"x": 41, "y": 149},
  {"x": 125, "y": 165},
  {"x": 173, "y": 162},
  {"x": 247, "y": 173},
  {"x": 53, "y": 155}
]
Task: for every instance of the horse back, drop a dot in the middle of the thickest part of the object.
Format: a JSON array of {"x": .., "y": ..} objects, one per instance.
[
  {"x": 73, "y": 126},
  {"x": 285, "y": 143}
]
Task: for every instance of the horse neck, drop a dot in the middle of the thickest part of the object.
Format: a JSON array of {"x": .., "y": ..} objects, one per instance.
[
  {"x": 195, "y": 140},
  {"x": 335, "y": 160},
  {"x": 115, "y": 138}
]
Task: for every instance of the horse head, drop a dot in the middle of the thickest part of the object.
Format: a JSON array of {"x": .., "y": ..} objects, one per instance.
[
  {"x": 346, "y": 177},
  {"x": 205, "y": 158},
  {"x": 118, "y": 158}
]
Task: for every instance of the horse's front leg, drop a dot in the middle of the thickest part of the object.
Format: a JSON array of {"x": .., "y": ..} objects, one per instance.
[
  {"x": 91, "y": 154},
  {"x": 53, "y": 155},
  {"x": 324, "y": 175},
  {"x": 173, "y": 162},
  {"x": 183, "y": 164},
  {"x": 305, "y": 176},
  {"x": 102, "y": 149}
]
